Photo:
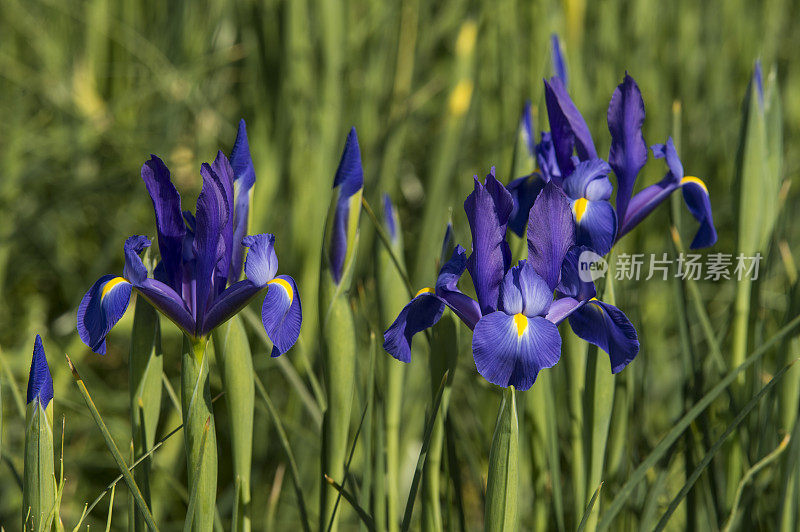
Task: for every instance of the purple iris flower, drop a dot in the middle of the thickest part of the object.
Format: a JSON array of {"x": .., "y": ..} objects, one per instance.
[
  {"x": 40, "y": 383},
  {"x": 343, "y": 218},
  {"x": 515, "y": 318},
  {"x": 585, "y": 176},
  {"x": 196, "y": 284}
]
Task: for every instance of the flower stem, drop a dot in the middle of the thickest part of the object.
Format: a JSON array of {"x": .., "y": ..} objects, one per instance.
[
  {"x": 196, "y": 407},
  {"x": 503, "y": 481}
]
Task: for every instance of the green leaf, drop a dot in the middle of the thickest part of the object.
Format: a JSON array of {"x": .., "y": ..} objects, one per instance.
[
  {"x": 683, "y": 423},
  {"x": 190, "y": 511},
  {"x": 235, "y": 362},
  {"x": 716, "y": 447},
  {"x": 287, "y": 448},
  {"x": 588, "y": 512},
  {"x": 423, "y": 453},
  {"x": 146, "y": 363},
  {"x": 112, "y": 447},
  {"x": 39, "y": 481},
  {"x": 502, "y": 484}
]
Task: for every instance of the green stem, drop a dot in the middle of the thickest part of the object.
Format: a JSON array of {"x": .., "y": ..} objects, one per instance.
[
  {"x": 443, "y": 358},
  {"x": 196, "y": 408},
  {"x": 145, "y": 367},
  {"x": 340, "y": 366},
  {"x": 502, "y": 483}
]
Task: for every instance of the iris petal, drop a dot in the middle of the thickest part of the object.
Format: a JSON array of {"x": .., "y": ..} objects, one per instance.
[
  {"x": 40, "y": 383},
  {"x": 696, "y": 197},
  {"x": 169, "y": 222},
  {"x": 523, "y": 291},
  {"x": 282, "y": 314},
  {"x": 571, "y": 284},
  {"x": 510, "y": 352},
  {"x": 211, "y": 218},
  {"x": 224, "y": 171},
  {"x": 567, "y": 126},
  {"x": 231, "y": 301},
  {"x": 608, "y": 328},
  {"x": 347, "y": 183},
  {"x": 466, "y": 308},
  {"x": 244, "y": 177},
  {"x": 262, "y": 262},
  {"x": 420, "y": 313},
  {"x": 488, "y": 208},
  {"x": 628, "y": 153},
  {"x": 551, "y": 232},
  {"x": 523, "y": 192},
  {"x": 597, "y": 227},
  {"x": 100, "y": 309},
  {"x": 586, "y": 173}
]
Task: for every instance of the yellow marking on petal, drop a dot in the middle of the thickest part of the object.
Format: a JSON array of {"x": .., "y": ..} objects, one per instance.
[
  {"x": 286, "y": 286},
  {"x": 696, "y": 181},
  {"x": 426, "y": 290},
  {"x": 579, "y": 208},
  {"x": 521, "y": 322},
  {"x": 110, "y": 285}
]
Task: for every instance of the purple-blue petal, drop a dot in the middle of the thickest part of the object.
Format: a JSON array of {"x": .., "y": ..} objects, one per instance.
[
  {"x": 282, "y": 314},
  {"x": 244, "y": 177},
  {"x": 559, "y": 66},
  {"x": 507, "y": 358},
  {"x": 667, "y": 151},
  {"x": 597, "y": 227},
  {"x": 572, "y": 285},
  {"x": 419, "y": 314},
  {"x": 562, "y": 309},
  {"x": 551, "y": 232},
  {"x": 567, "y": 126},
  {"x": 389, "y": 217},
  {"x": 523, "y": 192},
  {"x": 169, "y": 222},
  {"x": 546, "y": 157},
  {"x": 169, "y": 303},
  {"x": 488, "y": 208},
  {"x": 645, "y": 201},
  {"x": 224, "y": 171},
  {"x": 524, "y": 292},
  {"x": 40, "y": 383},
  {"x": 628, "y": 153},
  {"x": 348, "y": 181},
  {"x": 101, "y": 308},
  {"x": 589, "y": 180},
  {"x": 230, "y": 302},
  {"x": 699, "y": 204},
  {"x": 262, "y": 262},
  {"x": 466, "y": 308},
  {"x": 608, "y": 328},
  {"x": 211, "y": 216},
  {"x": 134, "y": 270}
]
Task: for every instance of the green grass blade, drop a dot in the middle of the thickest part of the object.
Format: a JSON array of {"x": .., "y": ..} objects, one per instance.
[
  {"x": 362, "y": 513},
  {"x": 113, "y": 449},
  {"x": 347, "y": 466},
  {"x": 716, "y": 447},
  {"x": 502, "y": 486},
  {"x": 423, "y": 453},
  {"x": 758, "y": 466},
  {"x": 293, "y": 471},
  {"x": 683, "y": 423},
  {"x": 587, "y": 513},
  {"x": 110, "y": 509},
  {"x": 187, "y": 525}
]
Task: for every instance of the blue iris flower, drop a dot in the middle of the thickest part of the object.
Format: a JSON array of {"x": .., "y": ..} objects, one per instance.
[
  {"x": 40, "y": 383},
  {"x": 575, "y": 166},
  {"x": 515, "y": 318},
  {"x": 196, "y": 283}
]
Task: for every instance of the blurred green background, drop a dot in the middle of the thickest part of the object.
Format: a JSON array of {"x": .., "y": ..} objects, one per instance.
[{"x": 88, "y": 89}]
